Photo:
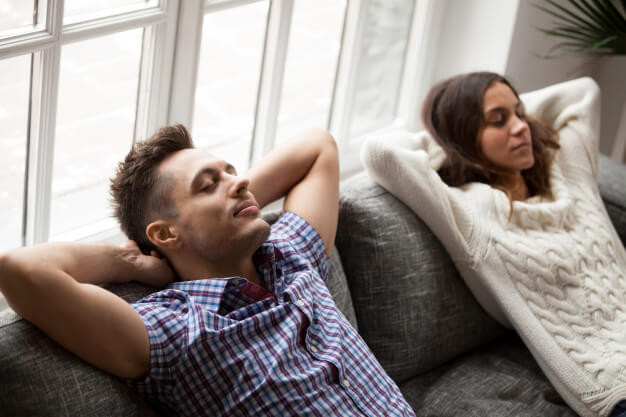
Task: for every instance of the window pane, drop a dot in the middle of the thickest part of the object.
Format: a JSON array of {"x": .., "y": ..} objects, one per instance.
[
  {"x": 382, "y": 61},
  {"x": 77, "y": 10},
  {"x": 14, "y": 94},
  {"x": 228, "y": 79},
  {"x": 314, "y": 44},
  {"x": 16, "y": 14},
  {"x": 95, "y": 122}
]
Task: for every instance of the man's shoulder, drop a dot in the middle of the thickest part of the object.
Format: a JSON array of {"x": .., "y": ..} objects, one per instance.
[{"x": 293, "y": 235}]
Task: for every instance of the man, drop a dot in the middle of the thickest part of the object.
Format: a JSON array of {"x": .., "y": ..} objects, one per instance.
[{"x": 245, "y": 324}]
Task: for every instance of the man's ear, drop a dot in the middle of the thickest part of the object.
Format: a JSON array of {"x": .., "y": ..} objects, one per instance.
[{"x": 163, "y": 235}]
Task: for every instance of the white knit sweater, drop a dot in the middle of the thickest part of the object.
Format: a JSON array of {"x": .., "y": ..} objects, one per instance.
[{"x": 557, "y": 271}]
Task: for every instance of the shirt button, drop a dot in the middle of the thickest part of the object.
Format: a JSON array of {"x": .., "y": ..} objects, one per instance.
[
  {"x": 346, "y": 383},
  {"x": 300, "y": 303},
  {"x": 313, "y": 349}
]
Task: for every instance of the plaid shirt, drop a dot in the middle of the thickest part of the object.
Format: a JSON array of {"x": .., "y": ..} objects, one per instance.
[{"x": 229, "y": 347}]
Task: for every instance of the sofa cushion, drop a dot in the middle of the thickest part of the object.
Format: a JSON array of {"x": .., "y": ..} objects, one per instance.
[
  {"x": 412, "y": 307},
  {"x": 40, "y": 378},
  {"x": 612, "y": 179},
  {"x": 502, "y": 380}
]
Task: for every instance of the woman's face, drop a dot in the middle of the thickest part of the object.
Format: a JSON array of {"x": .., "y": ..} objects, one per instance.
[{"x": 505, "y": 139}]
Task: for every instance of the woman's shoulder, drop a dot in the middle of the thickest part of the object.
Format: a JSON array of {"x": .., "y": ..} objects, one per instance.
[{"x": 384, "y": 148}]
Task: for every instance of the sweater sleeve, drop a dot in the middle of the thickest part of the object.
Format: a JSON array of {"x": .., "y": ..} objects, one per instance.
[
  {"x": 572, "y": 108},
  {"x": 405, "y": 164}
]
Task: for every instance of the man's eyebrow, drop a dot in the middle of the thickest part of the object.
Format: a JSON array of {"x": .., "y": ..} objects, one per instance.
[
  {"x": 210, "y": 171},
  {"x": 204, "y": 171}
]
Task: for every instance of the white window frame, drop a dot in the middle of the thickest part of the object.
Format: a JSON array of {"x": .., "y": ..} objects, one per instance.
[
  {"x": 169, "y": 70},
  {"x": 167, "y": 83},
  {"x": 415, "y": 76},
  {"x": 45, "y": 43}
]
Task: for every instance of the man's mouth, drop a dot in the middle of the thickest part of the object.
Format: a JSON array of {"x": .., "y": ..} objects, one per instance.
[{"x": 248, "y": 207}]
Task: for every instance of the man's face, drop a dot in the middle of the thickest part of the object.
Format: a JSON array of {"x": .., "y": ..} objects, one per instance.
[{"x": 218, "y": 218}]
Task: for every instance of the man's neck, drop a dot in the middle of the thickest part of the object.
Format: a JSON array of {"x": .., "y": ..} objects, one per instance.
[{"x": 244, "y": 267}]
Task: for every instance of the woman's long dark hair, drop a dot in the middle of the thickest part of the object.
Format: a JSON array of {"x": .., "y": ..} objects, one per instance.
[{"x": 453, "y": 114}]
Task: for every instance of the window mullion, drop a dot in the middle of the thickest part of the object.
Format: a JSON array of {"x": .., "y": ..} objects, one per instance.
[
  {"x": 272, "y": 74},
  {"x": 44, "y": 93},
  {"x": 104, "y": 26},
  {"x": 345, "y": 85},
  {"x": 185, "y": 67},
  {"x": 155, "y": 77},
  {"x": 418, "y": 69},
  {"x": 46, "y": 34}
]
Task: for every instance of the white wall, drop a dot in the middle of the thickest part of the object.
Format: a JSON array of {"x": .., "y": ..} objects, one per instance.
[
  {"x": 475, "y": 36},
  {"x": 610, "y": 73},
  {"x": 503, "y": 36},
  {"x": 526, "y": 67},
  {"x": 528, "y": 70}
]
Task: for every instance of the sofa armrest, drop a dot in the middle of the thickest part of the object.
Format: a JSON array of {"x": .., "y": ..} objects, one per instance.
[{"x": 612, "y": 183}]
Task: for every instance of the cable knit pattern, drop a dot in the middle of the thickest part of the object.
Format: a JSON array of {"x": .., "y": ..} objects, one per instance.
[{"x": 556, "y": 271}]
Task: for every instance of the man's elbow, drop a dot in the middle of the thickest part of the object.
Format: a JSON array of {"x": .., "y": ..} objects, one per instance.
[
  {"x": 11, "y": 276},
  {"x": 328, "y": 148},
  {"x": 9, "y": 267},
  {"x": 4, "y": 262}
]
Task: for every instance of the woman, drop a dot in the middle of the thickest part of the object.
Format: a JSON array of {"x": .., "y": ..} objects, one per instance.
[{"x": 518, "y": 209}]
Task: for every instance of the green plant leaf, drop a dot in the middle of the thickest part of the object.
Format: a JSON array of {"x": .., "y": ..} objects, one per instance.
[
  {"x": 567, "y": 20},
  {"x": 574, "y": 16},
  {"x": 569, "y": 36},
  {"x": 601, "y": 18},
  {"x": 611, "y": 13},
  {"x": 587, "y": 26}
]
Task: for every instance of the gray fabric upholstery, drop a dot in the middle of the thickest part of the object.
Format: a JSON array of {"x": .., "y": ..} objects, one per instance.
[
  {"x": 40, "y": 378},
  {"x": 612, "y": 181},
  {"x": 413, "y": 309},
  {"x": 338, "y": 287},
  {"x": 501, "y": 380}
]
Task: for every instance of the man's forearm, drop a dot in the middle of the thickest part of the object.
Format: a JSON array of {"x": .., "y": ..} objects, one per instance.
[
  {"x": 85, "y": 262},
  {"x": 51, "y": 286},
  {"x": 278, "y": 172},
  {"x": 32, "y": 274}
]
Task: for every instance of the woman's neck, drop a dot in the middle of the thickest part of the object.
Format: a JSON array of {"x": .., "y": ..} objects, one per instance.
[{"x": 515, "y": 185}]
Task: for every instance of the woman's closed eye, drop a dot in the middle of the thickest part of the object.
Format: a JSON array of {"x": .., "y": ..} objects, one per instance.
[{"x": 496, "y": 119}]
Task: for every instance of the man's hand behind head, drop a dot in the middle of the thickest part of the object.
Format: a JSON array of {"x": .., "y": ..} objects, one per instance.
[{"x": 151, "y": 269}]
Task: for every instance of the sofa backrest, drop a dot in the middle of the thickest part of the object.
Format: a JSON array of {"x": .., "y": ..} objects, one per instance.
[
  {"x": 413, "y": 309},
  {"x": 612, "y": 184},
  {"x": 40, "y": 378}
]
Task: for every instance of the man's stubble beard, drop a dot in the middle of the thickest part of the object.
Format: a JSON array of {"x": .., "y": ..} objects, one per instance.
[{"x": 234, "y": 248}]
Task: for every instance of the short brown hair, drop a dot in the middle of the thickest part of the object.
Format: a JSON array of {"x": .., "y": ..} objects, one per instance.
[
  {"x": 453, "y": 114},
  {"x": 140, "y": 194}
]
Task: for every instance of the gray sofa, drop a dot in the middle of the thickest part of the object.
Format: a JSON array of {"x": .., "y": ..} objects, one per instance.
[{"x": 394, "y": 281}]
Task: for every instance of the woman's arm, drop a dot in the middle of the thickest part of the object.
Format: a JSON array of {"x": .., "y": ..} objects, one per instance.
[
  {"x": 405, "y": 164},
  {"x": 572, "y": 108}
]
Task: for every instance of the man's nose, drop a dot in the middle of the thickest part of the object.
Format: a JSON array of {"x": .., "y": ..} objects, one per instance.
[{"x": 239, "y": 186}]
